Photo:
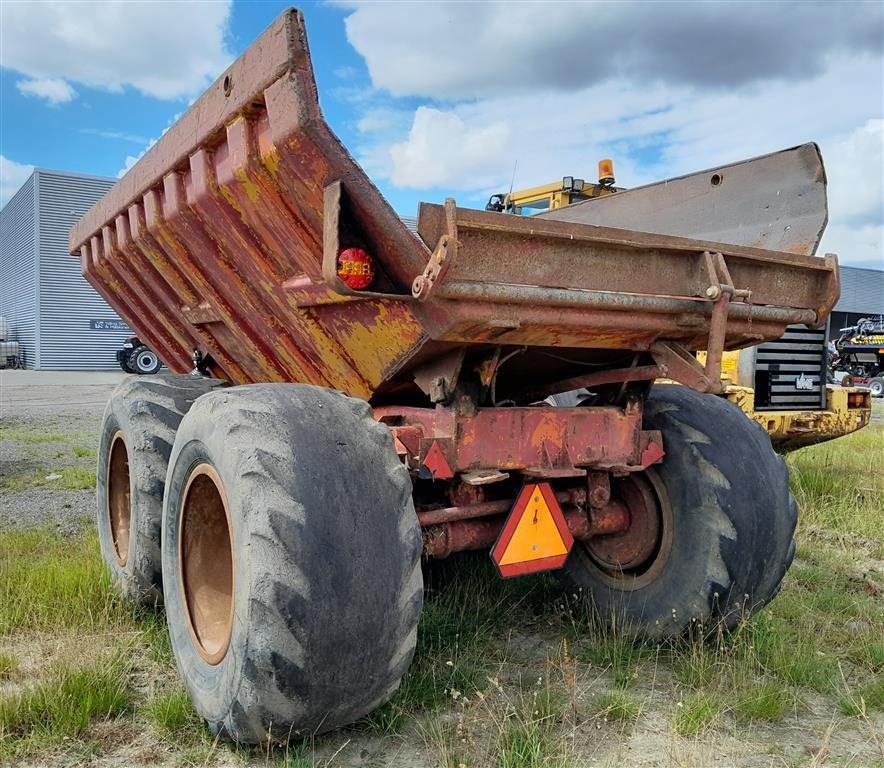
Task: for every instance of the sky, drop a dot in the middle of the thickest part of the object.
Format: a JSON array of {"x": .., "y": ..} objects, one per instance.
[{"x": 461, "y": 99}]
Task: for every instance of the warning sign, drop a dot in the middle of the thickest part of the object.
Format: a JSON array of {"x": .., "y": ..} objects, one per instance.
[{"x": 535, "y": 536}]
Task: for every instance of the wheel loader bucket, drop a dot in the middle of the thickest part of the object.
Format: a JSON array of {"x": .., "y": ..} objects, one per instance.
[{"x": 776, "y": 201}]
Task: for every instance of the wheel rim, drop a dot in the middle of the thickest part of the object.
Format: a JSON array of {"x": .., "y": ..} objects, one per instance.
[
  {"x": 877, "y": 388},
  {"x": 146, "y": 361},
  {"x": 636, "y": 557},
  {"x": 119, "y": 497},
  {"x": 205, "y": 554}
]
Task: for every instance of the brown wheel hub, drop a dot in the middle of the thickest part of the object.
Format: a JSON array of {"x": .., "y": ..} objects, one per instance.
[
  {"x": 119, "y": 497},
  {"x": 205, "y": 550},
  {"x": 636, "y": 555}
]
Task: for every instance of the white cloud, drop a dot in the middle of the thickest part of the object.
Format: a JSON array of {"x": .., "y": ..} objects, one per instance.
[
  {"x": 131, "y": 138},
  {"x": 12, "y": 176},
  {"x": 166, "y": 50},
  {"x": 466, "y": 50},
  {"x": 442, "y": 150},
  {"x": 53, "y": 89},
  {"x": 653, "y": 132}
]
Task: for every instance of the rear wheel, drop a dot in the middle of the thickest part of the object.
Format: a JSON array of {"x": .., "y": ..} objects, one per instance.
[
  {"x": 711, "y": 527},
  {"x": 876, "y": 387},
  {"x": 291, "y": 561},
  {"x": 137, "y": 433}
]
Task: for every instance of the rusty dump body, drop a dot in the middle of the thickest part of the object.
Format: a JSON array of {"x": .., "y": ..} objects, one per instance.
[{"x": 225, "y": 239}]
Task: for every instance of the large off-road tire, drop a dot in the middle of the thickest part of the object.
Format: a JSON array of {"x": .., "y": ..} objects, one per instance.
[
  {"x": 721, "y": 519},
  {"x": 291, "y": 561},
  {"x": 137, "y": 433}
]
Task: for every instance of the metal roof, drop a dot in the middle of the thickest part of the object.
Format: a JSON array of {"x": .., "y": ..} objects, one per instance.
[{"x": 862, "y": 291}]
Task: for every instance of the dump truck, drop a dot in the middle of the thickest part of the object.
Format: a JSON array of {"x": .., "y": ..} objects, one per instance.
[
  {"x": 781, "y": 384},
  {"x": 364, "y": 398}
]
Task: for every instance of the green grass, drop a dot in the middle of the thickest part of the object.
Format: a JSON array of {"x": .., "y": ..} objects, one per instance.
[
  {"x": 839, "y": 485},
  {"x": 527, "y": 731},
  {"x": 8, "y": 665},
  {"x": 83, "y": 453},
  {"x": 173, "y": 715},
  {"x": 696, "y": 714},
  {"x": 618, "y": 705},
  {"x": 868, "y": 698},
  {"x": 764, "y": 700},
  {"x": 49, "y": 582},
  {"x": 467, "y": 611},
  {"x": 63, "y": 705},
  {"x": 619, "y": 652},
  {"x": 70, "y": 478},
  {"x": 20, "y": 434},
  {"x": 472, "y": 691}
]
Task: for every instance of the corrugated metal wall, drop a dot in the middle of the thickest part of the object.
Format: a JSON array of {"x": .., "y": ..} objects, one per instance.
[
  {"x": 78, "y": 330},
  {"x": 862, "y": 291},
  {"x": 18, "y": 269}
]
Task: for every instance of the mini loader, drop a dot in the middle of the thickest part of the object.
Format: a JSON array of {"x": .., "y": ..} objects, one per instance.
[{"x": 365, "y": 397}]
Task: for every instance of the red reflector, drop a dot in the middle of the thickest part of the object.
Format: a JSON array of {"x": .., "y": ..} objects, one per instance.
[
  {"x": 355, "y": 268},
  {"x": 856, "y": 400}
]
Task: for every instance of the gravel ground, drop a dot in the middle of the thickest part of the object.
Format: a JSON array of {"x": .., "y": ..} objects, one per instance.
[{"x": 67, "y": 407}]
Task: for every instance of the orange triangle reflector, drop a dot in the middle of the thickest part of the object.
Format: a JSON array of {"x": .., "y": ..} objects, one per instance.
[{"x": 535, "y": 536}]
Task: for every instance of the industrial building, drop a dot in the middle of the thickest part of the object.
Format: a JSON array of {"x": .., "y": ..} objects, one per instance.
[
  {"x": 57, "y": 318},
  {"x": 61, "y": 323},
  {"x": 862, "y": 295}
]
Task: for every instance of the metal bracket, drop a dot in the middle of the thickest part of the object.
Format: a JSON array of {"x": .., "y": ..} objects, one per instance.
[
  {"x": 441, "y": 259},
  {"x": 677, "y": 363},
  {"x": 438, "y": 378},
  {"x": 721, "y": 290}
]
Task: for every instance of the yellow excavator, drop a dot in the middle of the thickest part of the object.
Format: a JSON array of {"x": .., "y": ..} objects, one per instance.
[{"x": 782, "y": 385}]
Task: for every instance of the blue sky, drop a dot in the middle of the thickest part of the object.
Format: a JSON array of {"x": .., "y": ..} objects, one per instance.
[{"x": 438, "y": 99}]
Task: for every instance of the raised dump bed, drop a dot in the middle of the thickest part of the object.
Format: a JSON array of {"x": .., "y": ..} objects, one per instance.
[
  {"x": 225, "y": 238},
  {"x": 283, "y": 524}
]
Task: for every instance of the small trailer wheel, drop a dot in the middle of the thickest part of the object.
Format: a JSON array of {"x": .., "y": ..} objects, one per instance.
[
  {"x": 291, "y": 561},
  {"x": 137, "y": 433},
  {"x": 712, "y": 525},
  {"x": 876, "y": 387},
  {"x": 144, "y": 360}
]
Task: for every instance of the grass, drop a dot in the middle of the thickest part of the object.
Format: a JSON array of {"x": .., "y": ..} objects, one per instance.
[
  {"x": 839, "y": 485},
  {"x": 8, "y": 665},
  {"x": 173, "y": 715},
  {"x": 20, "y": 434},
  {"x": 696, "y": 714},
  {"x": 487, "y": 687},
  {"x": 49, "y": 582},
  {"x": 527, "y": 731},
  {"x": 63, "y": 478},
  {"x": 618, "y": 705},
  {"x": 64, "y": 704},
  {"x": 55, "y": 594}
]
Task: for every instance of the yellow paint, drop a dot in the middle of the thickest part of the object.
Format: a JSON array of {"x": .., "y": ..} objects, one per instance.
[
  {"x": 373, "y": 344},
  {"x": 252, "y": 191},
  {"x": 536, "y": 535},
  {"x": 789, "y": 430},
  {"x": 271, "y": 161},
  {"x": 729, "y": 360}
]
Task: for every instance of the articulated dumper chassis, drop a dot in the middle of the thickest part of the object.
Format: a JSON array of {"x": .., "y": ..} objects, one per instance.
[{"x": 282, "y": 519}]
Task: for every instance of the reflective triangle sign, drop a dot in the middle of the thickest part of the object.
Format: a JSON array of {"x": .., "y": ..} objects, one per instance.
[{"x": 535, "y": 536}]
